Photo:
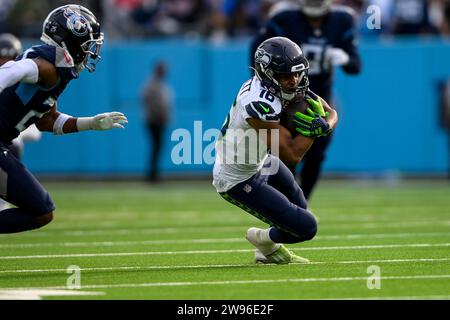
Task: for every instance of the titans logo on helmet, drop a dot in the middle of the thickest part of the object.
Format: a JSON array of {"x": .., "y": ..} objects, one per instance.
[{"x": 76, "y": 22}]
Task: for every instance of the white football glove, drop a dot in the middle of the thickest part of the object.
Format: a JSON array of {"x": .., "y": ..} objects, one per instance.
[
  {"x": 336, "y": 57},
  {"x": 103, "y": 121}
]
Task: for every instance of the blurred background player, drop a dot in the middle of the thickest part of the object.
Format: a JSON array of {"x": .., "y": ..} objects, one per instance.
[
  {"x": 10, "y": 48},
  {"x": 29, "y": 89},
  {"x": 326, "y": 35},
  {"x": 261, "y": 184},
  {"x": 157, "y": 98}
]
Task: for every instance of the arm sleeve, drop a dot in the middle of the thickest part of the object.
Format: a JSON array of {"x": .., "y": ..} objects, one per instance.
[
  {"x": 349, "y": 45},
  {"x": 25, "y": 70}
]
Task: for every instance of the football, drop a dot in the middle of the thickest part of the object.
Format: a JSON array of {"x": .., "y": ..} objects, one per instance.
[{"x": 287, "y": 114}]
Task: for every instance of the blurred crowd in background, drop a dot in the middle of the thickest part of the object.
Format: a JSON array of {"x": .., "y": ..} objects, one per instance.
[{"x": 218, "y": 20}]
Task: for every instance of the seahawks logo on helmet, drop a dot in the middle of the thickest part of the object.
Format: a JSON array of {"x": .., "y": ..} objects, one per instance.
[
  {"x": 263, "y": 57},
  {"x": 76, "y": 22}
]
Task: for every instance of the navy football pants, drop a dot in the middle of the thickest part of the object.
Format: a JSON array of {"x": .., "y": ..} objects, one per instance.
[
  {"x": 19, "y": 187},
  {"x": 311, "y": 165},
  {"x": 277, "y": 200}
]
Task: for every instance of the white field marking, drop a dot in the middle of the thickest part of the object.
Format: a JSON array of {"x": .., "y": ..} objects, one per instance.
[
  {"x": 219, "y": 266},
  {"x": 121, "y": 215},
  {"x": 215, "y": 240},
  {"x": 149, "y": 230},
  {"x": 342, "y": 220},
  {"x": 262, "y": 281},
  {"x": 117, "y": 219},
  {"x": 200, "y": 229},
  {"x": 38, "y": 293},
  {"x": 117, "y": 254},
  {"x": 121, "y": 243},
  {"x": 394, "y": 298},
  {"x": 384, "y": 225}
]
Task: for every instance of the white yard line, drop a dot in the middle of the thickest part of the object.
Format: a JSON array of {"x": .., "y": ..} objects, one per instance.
[
  {"x": 199, "y": 229},
  {"x": 122, "y": 268},
  {"x": 38, "y": 293},
  {"x": 442, "y": 297},
  {"x": 120, "y": 243},
  {"x": 117, "y": 254},
  {"x": 215, "y": 240},
  {"x": 237, "y": 282}
]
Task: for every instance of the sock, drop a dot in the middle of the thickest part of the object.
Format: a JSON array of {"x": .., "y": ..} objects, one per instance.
[
  {"x": 4, "y": 205},
  {"x": 261, "y": 239},
  {"x": 17, "y": 220}
]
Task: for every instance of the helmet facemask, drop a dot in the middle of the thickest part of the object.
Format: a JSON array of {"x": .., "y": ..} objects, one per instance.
[
  {"x": 92, "y": 50},
  {"x": 315, "y": 8},
  {"x": 299, "y": 90}
]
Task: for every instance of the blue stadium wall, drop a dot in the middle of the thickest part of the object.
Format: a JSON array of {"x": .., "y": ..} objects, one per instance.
[{"x": 389, "y": 115}]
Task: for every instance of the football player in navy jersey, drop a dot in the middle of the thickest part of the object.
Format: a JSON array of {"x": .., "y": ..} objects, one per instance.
[
  {"x": 326, "y": 35},
  {"x": 29, "y": 89},
  {"x": 10, "y": 48},
  {"x": 248, "y": 174}
]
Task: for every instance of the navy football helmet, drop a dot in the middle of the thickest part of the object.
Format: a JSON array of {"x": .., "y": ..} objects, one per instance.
[
  {"x": 315, "y": 8},
  {"x": 280, "y": 56},
  {"x": 76, "y": 29},
  {"x": 10, "y": 46}
]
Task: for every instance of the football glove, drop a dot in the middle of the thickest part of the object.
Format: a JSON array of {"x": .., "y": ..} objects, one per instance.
[
  {"x": 316, "y": 105},
  {"x": 109, "y": 120},
  {"x": 103, "y": 121},
  {"x": 311, "y": 125},
  {"x": 336, "y": 57}
]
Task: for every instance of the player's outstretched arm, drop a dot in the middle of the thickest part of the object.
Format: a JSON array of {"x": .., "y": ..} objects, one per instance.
[
  {"x": 36, "y": 71},
  {"x": 291, "y": 150},
  {"x": 60, "y": 123},
  {"x": 12, "y": 72}
]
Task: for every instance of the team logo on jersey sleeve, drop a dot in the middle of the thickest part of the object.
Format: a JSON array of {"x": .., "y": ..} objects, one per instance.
[
  {"x": 76, "y": 22},
  {"x": 261, "y": 110}
]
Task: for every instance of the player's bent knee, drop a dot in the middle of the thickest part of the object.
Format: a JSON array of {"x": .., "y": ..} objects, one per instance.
[
  {"x": 309, "y": 230},
  {"x": 44, "y": 219},
  {"x": 311, "y": 233}
]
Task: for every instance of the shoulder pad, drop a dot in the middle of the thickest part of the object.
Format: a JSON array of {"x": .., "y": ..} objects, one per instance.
[
  {"x": 282, "y": 7},
  {"x": 343, "y": 11},
  {"x": 56, "y": 55},
  {"x": 63, "y": 59}
]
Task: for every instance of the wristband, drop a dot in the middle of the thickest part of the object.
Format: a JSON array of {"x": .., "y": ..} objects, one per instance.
[
  {"x": 84, "y": 123},
  {"x": 58, "y": 125}
]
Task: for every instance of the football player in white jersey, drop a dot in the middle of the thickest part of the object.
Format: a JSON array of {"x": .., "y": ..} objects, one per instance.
[{"x": 247, "y": 171}]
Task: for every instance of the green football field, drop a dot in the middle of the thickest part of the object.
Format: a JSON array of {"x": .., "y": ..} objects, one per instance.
[{"x": 180, "y": 240}]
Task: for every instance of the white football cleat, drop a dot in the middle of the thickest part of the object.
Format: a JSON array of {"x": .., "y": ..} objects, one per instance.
[{"x": 281, "y": 255}]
